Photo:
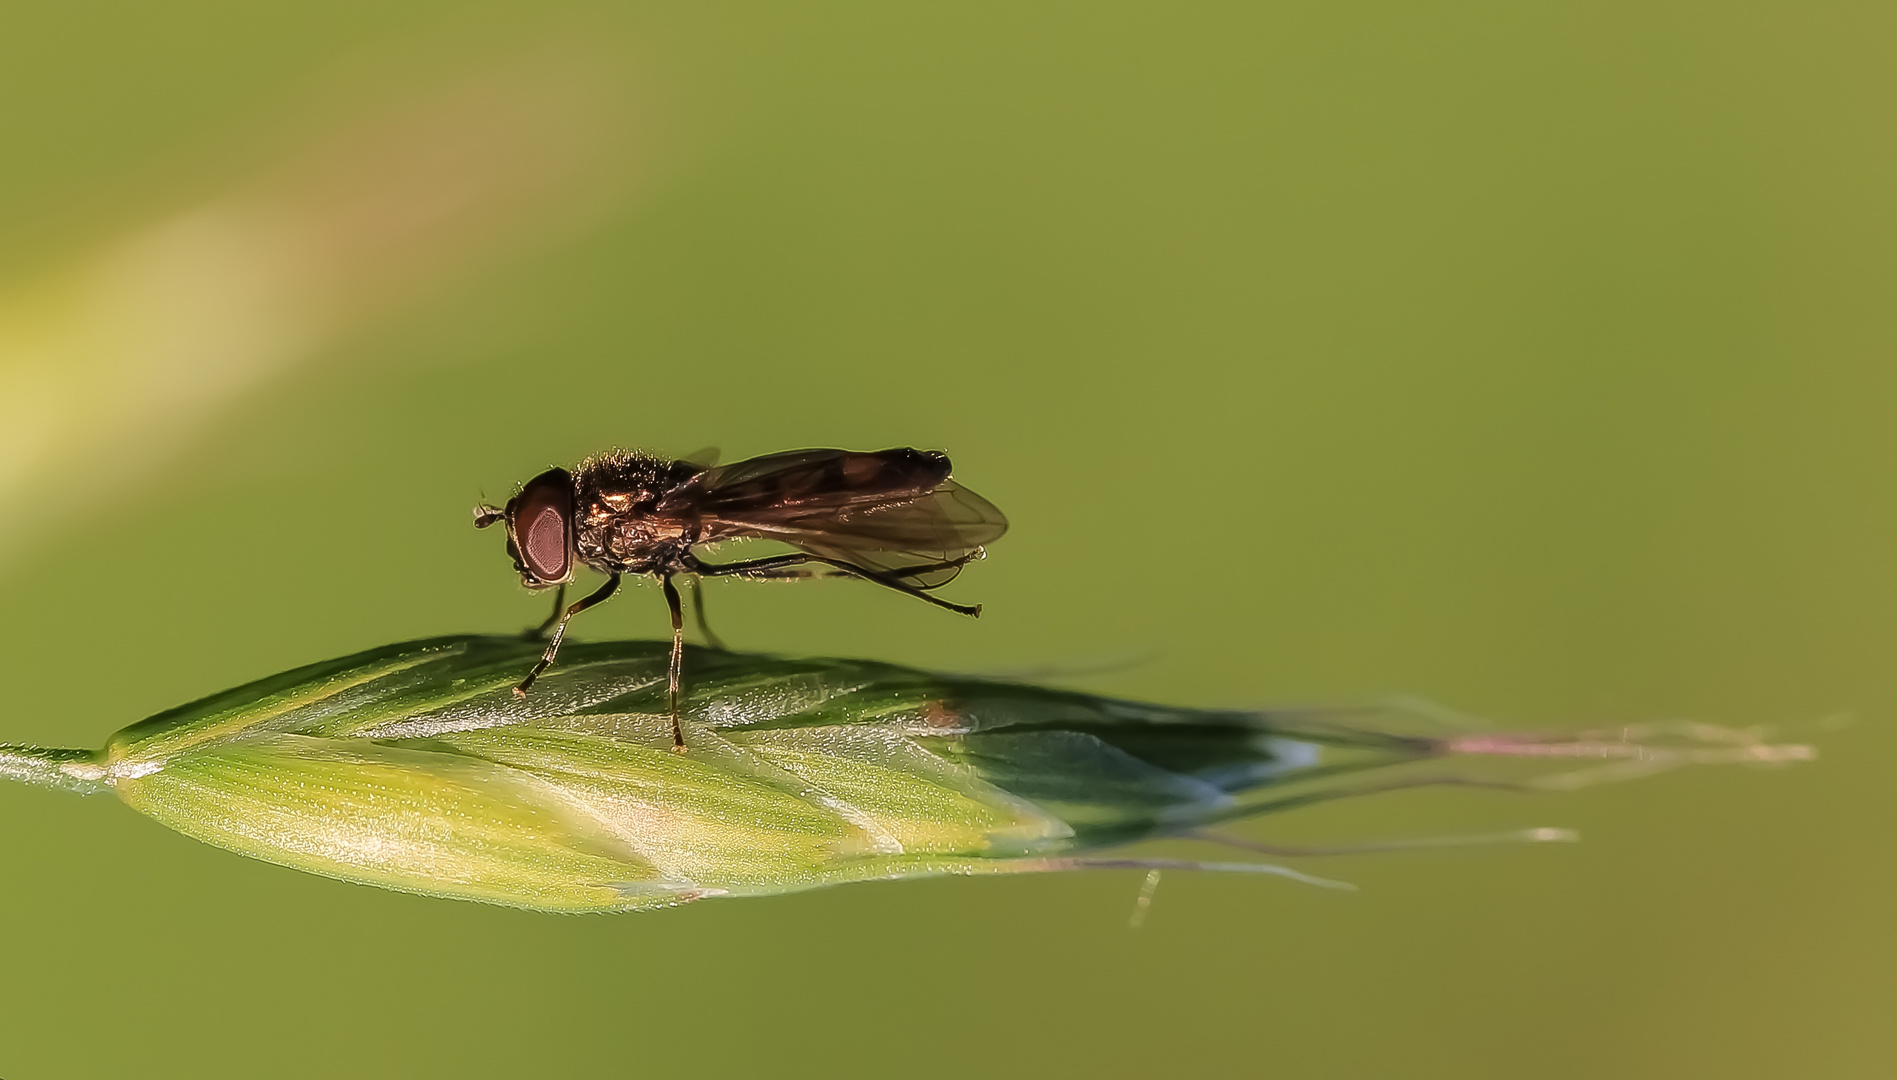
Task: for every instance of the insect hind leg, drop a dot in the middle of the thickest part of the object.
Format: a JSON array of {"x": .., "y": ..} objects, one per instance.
[
  {"x": 771, "y": 567},
  {"x": 907, "y": 573},
  {"x": 698, "y": 612}
]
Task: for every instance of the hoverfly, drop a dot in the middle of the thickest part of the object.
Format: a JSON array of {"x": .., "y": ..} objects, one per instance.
[{"x": 892, "y": 517}]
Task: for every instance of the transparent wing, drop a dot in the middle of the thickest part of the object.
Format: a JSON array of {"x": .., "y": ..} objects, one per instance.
[
  {"x": 924, "y": 542},
  {"x": 892, "y": 511}
]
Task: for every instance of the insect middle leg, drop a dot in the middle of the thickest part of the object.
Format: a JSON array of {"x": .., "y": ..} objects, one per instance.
[
  {"x": 677, "y": 668},
  {"x": 559, "y": 632},
  {"x": 559, "y": 601},
  {"x": 774, "y": 565}
]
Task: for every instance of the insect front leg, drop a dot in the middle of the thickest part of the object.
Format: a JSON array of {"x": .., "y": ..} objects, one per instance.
[{"x": 559, "y": 632}]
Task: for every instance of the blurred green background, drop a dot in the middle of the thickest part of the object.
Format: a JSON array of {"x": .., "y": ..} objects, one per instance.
[{"x": 1535, "y": 359}]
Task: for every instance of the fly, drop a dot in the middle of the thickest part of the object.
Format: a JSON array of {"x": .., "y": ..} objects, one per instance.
[{"x": 892, "y": 517}]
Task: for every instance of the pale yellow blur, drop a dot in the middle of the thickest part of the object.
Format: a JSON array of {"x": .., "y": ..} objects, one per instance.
[{"x": 111, "y": 361}]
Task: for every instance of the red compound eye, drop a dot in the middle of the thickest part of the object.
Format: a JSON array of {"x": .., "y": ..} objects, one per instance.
[{"x": 541, "y": 521}]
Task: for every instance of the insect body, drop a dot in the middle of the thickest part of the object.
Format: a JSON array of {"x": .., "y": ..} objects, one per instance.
[{"x": 892, "y": 517}]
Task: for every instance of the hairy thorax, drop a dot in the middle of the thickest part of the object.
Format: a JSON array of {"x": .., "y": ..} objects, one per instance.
[{"x": 619, "y": 524}]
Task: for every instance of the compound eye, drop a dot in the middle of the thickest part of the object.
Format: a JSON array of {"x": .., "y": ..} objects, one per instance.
[{"x": 541, "y": 524}]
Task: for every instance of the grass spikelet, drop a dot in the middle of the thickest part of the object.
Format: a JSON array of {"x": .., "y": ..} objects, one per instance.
[{"x": 414, "y": 767}]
